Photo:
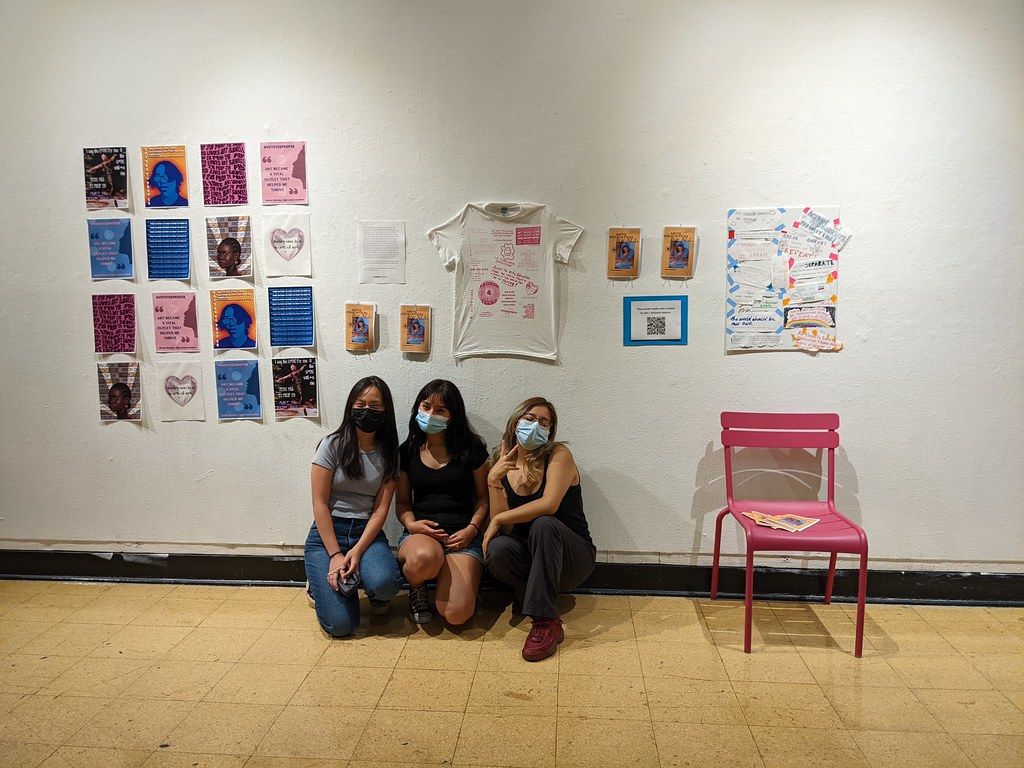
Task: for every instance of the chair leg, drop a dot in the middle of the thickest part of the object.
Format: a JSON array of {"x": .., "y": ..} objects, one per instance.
[
  {"x": 718, "y": 549},
  {"x": 862, "y": 592},
  {"x": 831, "y": 578},
  {"x": 748, "y": 602}
]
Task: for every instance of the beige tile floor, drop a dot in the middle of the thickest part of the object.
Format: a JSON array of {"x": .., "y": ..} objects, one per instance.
[{"x": 161, "y": 675}]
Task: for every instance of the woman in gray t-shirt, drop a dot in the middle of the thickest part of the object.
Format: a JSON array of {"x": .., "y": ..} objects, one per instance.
[{"x": 353, "y": 478}]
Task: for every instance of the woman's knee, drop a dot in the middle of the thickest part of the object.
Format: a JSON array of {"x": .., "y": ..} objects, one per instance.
[
  {"x": 423, "y": 561},
  {"x": 546, "y": 528},
  {"x": 337, "y": 623},
  {"x": 457, "y": 612},
  {"x": 498, "y": 550}
]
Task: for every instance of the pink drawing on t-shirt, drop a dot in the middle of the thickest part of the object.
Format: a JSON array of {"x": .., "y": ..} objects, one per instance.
[{"x": 489, "y": 292}]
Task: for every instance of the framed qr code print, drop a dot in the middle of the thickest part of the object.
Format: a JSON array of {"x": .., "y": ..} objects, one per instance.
[{"x": 657, "y": 320}]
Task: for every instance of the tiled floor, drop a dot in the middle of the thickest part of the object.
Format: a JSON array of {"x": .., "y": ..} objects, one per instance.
[{"x": 155, "y": 675}]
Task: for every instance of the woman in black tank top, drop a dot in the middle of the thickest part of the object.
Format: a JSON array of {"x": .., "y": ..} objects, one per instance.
[{"x": 538, "y": 540}]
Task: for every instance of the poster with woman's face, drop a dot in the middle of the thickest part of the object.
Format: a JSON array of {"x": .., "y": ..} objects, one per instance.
[
  {"x": 229, "y": 246},
  {"x": 120, "y": 391},
  {"x": 166, "y": 176},
  {"x": 233, "y": 313}
]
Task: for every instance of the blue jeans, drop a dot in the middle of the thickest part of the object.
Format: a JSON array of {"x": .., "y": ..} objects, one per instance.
[{"x": 378, "y": 570}]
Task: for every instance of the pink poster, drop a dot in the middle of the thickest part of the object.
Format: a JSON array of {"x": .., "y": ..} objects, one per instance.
[
  {"x": 283, "y": 166},
  {"x": 175, "y": 328}
]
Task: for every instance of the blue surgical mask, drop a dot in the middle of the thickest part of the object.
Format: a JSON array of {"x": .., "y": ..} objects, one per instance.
[
  {"x": 531, "y": 434},
  {"x": 430, "y": 423}
]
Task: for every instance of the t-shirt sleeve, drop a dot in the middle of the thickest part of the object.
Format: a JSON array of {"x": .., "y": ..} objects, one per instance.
[
  {"x": 447, "y": 238},
  {"x": 479, "y": 456},
  {"x": 326, "y": 454},
  {"x": 566, "y": 234}
]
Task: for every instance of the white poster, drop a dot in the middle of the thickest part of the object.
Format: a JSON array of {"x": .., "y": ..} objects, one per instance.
[
  {"x": 287, "y": 249},
  {"x": 381, "y": 248},
  {"x": 181, "y": 391},
  {"x": 661, "y": 320}
]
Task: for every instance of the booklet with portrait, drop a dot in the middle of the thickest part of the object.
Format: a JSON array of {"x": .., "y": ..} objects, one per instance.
[{"x": 791, "y": 523}]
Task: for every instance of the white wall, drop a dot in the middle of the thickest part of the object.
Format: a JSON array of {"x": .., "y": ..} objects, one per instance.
[{"x": 908, "y": 116}]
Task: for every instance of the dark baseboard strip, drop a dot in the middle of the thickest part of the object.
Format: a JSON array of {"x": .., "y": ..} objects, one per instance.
[{"x": 953, "y": 587}]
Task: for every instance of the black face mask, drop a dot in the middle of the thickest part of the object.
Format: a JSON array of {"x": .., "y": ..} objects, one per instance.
[{"x": 367, "y": 419}]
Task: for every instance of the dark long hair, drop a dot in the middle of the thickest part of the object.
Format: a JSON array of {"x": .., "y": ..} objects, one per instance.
[
  {"x": 459, "y": 438},
  {"x": 387, "y": 435}
]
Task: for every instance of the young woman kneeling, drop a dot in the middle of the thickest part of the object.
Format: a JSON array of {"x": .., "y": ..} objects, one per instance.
[{"x": 538, "y": 540}]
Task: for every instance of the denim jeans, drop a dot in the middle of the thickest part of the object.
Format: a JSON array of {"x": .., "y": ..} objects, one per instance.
[{"x": 378, "y": 570}]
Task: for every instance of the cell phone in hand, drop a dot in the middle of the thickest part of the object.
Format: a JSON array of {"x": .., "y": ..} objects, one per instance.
[{"x": 349, "y": 585}]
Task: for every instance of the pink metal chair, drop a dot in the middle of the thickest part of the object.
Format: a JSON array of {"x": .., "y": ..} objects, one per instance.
[{"x": 833, "y": 534}]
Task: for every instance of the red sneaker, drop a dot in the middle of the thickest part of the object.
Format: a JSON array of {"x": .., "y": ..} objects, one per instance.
[{"x": 543, "y": 639}]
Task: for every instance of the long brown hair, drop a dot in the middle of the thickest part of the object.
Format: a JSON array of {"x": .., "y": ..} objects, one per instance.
[{"x": 539, "y": 456}]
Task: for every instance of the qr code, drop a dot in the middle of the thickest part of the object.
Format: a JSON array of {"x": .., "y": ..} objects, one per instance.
[
  {"x": 529, "y": 312},
  {"x": 656, "y": 326}
]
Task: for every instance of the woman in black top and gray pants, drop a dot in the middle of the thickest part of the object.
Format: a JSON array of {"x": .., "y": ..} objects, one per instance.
[{"x": 537, "y": 540}]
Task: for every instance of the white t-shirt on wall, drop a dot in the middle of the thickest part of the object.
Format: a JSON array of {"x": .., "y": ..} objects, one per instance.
[{"x": 504, "y": 256}]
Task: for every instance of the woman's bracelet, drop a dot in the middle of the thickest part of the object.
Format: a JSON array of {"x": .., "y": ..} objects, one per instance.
[
  {"x": 335, "y": 554},
  {"x": 475, "y": 526}
]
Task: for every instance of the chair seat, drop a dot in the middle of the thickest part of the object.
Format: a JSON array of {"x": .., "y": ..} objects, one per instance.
[{"x": 832, "y": 534}]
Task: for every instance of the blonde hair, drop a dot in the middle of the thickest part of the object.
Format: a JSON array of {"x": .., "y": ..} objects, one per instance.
[{"x": 538, "y": 456}]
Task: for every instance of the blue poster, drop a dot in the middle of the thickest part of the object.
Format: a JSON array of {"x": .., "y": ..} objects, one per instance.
[
  {"x": 238, "y": 389},
  {"x": 291, "y": 316},
  {"x": 110, "y": 248},
  {"x": 167, "y": 249}
]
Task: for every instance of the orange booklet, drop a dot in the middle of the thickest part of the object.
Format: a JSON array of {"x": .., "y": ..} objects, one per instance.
[
  {"x": 415, "y": 331},
  {"x": 678, "y": 251},
  {"x": 623, "y": 252},
  {"x": 791, "y": 523},
  {"x": 360, "y": 327}
]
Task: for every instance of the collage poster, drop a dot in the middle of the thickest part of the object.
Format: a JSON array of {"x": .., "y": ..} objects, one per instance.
[
  {"x": 223, "y": 167},
  {"x": 283, "y": 171},
  {"x": 181, "y": 391},
  {"x": 360, "y": 320},
  {"x": 287, "y": 249},
  {"x": 415, "y": 319},
  {"x": 295, "y": 387},
  {"x": 175, "y": 327},
  {"x": 113, "y": 323},
  {"x": 110, "y": 248},
  {"x": 238, "y": 389},
  {"x": 782, "y": 279},
  {"x": 624, "y": 253},
  {"x": 678, "y": 251},
  {"x": 229, "y": 246},
  {"x": 166, "y": 176},
  {"x": 120, "y": 391},
  {"x": 233, "y": 314},
  {"x": 106, "y": 178}
]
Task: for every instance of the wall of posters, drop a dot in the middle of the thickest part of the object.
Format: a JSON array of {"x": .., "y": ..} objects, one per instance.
[{"x": 782, "y": 279}]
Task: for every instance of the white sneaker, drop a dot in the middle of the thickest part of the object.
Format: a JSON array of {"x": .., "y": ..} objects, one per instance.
[{"x": 309, "y": 597}]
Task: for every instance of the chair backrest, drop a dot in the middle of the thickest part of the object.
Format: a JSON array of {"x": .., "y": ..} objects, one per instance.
[{"x": 780, "y": 430}]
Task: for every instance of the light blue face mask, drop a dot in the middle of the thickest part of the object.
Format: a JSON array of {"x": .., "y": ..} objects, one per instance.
[
  {"x": 430, "y": 423},
  {"x": 531, "y": 434}
]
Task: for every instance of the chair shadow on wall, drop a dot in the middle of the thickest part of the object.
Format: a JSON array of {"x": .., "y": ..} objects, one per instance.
[{"x": 765, "y": 473}]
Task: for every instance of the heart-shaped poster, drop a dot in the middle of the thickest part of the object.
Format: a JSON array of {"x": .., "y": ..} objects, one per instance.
[
  {"x": 287, "y": 244},
  {"x": 180, "y": 390}
]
